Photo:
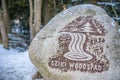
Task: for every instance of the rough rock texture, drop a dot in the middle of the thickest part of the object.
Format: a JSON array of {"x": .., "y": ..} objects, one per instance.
[{"x": 80, "y": 43}]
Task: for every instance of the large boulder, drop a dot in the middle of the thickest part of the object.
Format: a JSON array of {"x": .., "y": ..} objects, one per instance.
[{"x": 80, "y": 43}]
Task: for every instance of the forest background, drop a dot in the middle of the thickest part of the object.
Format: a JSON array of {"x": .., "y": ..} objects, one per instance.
[{"x": 21, "y": 20}]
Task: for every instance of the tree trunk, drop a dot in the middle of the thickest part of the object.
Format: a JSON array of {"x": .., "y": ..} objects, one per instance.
[
  {"x": 46, "y": 11},
  {"x": 0, "y": 37},
  {"x": 3, "y": 32},
  {"x": 32, "y": 32},
  {"x": 5, "y": 26},
  {"x": 37, "y": 15},
  {"x": 6, "y": 16}
]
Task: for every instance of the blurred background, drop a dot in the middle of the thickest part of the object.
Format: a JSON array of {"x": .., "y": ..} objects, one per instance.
[{"x": 20, "y": 21}]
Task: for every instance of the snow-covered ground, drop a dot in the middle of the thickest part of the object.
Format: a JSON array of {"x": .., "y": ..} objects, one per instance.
[{"x": 15, "y": 65}]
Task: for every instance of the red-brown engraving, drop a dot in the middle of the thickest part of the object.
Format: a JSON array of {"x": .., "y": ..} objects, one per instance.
[{"x": 81, "y": 45}]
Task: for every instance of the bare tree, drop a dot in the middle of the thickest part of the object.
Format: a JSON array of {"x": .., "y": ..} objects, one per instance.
[
  {"x": 35, "y": 17},
  {"x": 46, "y": 11},
  {"x": 32, "y": 32},
  {"x": 3, "y": 32},
  {"x": 6, "y": 16},
  {"x": 5, "y": 24}
]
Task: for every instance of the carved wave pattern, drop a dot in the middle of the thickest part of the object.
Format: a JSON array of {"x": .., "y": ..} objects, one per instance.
[{"x": 76, "y": 51}]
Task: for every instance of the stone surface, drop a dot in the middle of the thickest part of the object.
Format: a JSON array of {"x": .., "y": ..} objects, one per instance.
[{"x": 80, "y": 43}]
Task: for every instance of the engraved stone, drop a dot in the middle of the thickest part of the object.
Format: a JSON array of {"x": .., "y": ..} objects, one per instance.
[{"x": 80, "y": 43}]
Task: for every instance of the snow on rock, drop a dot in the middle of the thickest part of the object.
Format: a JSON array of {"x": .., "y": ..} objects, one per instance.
[{"x": 15, "y": 65}]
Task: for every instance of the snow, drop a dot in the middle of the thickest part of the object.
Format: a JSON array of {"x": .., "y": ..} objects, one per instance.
[
  {"x": 15, "y": 65},
  {"x": 119, "y": 30},
  {"x": 108, "y": 3},
  {"x": 16, "y": 21},
  {"x": 118, "y": 18}
]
